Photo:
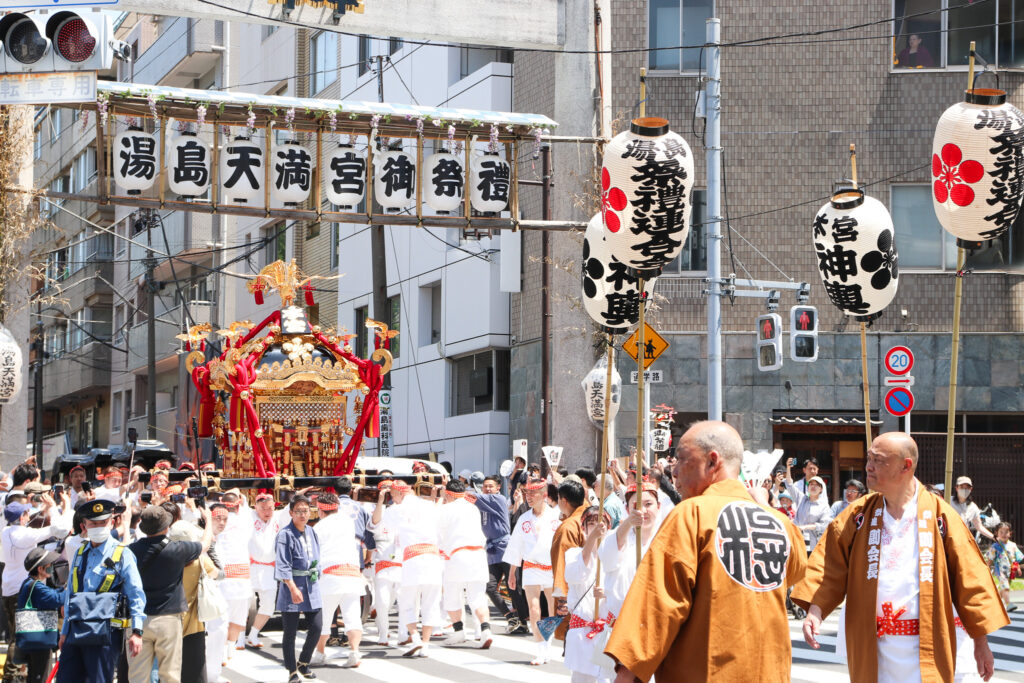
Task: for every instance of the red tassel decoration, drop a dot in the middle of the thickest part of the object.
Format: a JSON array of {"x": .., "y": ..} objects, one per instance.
[
  {"x": 376, "y": 342},
  {"x": 308, "y": 289},
  {"x": 202, "y": 346},
  {"x": 188, "y": 346},
  {"x": 258, "y": 293}
]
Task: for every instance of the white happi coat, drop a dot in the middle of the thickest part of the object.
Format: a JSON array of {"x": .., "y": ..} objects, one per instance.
[
  {"x": 262, "y": 549},
  {"x": 415, "y": 522},
  {"x": 531, "y": 542},
  {"x": 385, "y": 552},
  {"x": 233, "y": 550},
  {"x": 339, "y": 556},
  {"x": 463, "y": 543}
]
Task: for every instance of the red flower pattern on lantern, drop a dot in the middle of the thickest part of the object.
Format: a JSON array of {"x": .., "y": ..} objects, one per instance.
[
  {"x": 953, "y": 175},
  {"x": 612, "y": 199}
]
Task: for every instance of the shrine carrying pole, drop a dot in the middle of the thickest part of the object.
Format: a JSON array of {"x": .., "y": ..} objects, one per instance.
[{"x": 863, "y": 332}]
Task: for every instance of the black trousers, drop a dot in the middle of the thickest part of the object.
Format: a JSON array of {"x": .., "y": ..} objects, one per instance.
[
  {"x": 313, "y": 625},
  {"x": 38, "y": 664},
  {"x": 193, "y": 657}
]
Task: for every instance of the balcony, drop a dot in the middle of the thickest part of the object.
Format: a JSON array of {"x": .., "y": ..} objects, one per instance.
[
  {"x": 166, "y": 328},
  {"x": 189, "y": 237},
  {"x": 76, "y": 375},
  {"x": 182, "y": 53}
]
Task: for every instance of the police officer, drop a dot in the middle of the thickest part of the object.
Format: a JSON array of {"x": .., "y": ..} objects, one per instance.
[{"x": 101, "y": 566}]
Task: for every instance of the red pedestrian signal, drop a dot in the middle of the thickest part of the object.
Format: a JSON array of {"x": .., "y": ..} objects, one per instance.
[
  {"x": 803, "y": 334},
  {"x": 769, "y": 342}
]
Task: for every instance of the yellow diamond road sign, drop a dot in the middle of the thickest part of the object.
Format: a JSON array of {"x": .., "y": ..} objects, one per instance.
[{"x": 654, "y": 345}]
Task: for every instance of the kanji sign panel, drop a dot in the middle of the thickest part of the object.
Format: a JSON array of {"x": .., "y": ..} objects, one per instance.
[
  {"x": 48, "y": 88},
  {"x": 386, "y": 443},
  {"x": 654, "y": 345},
  {"x": 899, "y": 360},
  {"x": 899, "y": 401},
  {"x": 650, "y": 376}
]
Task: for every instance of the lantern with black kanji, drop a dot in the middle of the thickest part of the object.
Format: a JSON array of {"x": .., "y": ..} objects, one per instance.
[
  {"x": 854, "y": 241},
  {"x": 135, "y": 160},
  {"x": 346, "y": 177},
  {"x": 242, "y": 171},
  {"x": 610, "y": 289},
  {"x": 394, "y": 181},
  {"x": 594, "y": 393},
  {"x": 444, "y": 182},
  {"x": 978, "y": 166},
  {"x": 291, "y": 173},
  {"x": 646, "y": 183},
  {"x": 188, "y": 165},
  {"x": 11, "y": 366},
  {"x": 490, "y": 183}
]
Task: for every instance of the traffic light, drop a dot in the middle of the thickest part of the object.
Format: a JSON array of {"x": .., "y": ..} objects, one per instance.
[
  {"x": 803, "y": 334},
  {"x": 769, "y": 342},
  {"x": 63, "y": 41}
]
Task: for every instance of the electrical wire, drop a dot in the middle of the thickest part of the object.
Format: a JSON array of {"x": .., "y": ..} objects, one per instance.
[{"x": 402, "y": 81}]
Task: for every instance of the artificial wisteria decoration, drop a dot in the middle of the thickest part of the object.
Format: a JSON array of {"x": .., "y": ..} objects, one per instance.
[
  {"x": 102, "y": 102},
  {"x": 85, "y": 119},
  {"x": 200, "y": 115},
  {"x": 451, "y": 136},
  {"x": 419, "y": 126},
  {"x": 332, "y": 120},
  {"x": 151, "y": 101},
  {"x": 537, "y": 133},
  {"x": 289, "y": 117},
  {"x": 493, "y": 145},
  {"x": 250, "y": 122}
]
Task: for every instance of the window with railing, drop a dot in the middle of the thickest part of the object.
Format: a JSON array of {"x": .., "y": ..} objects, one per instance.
[{"x": 934, "y": 34}]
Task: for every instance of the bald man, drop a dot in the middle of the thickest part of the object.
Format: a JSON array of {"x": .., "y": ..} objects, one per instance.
[
  {"x": 709, "y": 599},
  {"x": 909, "y": 560}
]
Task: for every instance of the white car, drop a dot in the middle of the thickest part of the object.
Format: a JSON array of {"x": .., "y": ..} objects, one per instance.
[{"x": 365, "y": 465}]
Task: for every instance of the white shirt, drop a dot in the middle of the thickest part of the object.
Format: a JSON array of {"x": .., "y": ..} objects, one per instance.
[
  {"x": 619, "y": 567},
  {"x": 385, "y": 550},
  {"x": 338, "y": 547},
  {"x": 15, "y": 543},
  {"x": 899, "y": 656},
  {"x": 415, "y": 521},
  {"x": 233, "y": 549},
  {"x": 262, "y": 548},
  {"x": 104, "y": 493},
  {"x": 461, "y": 527},
  {"x": 531, "y": 538}
]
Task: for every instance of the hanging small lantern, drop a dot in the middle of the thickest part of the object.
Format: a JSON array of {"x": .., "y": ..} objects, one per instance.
[
  {"x": 661, "y": 438},
  {"x": 491, "y": 180},
  {"x": 346, "y": 177},
  {"x": 394, "y": 181},
  {"x": 11, "y": 366},
  {"x": 854, "y": 240},
  {"x": 291, "y": 173},
  {"x": 978, "y": 166},
  {"x": 593, "y": 391},
  {"x": 242, "y": 171},
  {"x": 188, "y": 159},
  {"x": 610, "y": 289},
  {"x": 446, "y": 180},
  {"x": 646, "y": 184},
  {"x": 135, "y": 159}
]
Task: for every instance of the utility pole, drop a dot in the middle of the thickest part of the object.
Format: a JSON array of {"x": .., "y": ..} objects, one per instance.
[
  {"x": 378, "y": 256},
  {"x": 713, "y": 158},
  {"x": 37, "y": 395},
  {"x": 150, "y": 345}
]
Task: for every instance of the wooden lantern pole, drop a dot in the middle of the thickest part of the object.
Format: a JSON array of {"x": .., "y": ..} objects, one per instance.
[
  {"x": 958, "y": 295},
  {"x": 606, "y": 427},
  {"x": 640, "y": 416},
  {"x": 863, "y": 334}
]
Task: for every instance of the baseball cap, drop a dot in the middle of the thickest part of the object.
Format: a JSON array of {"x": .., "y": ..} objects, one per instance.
[
  {"x": 14, "y": 511},
  {"x": 785, "y": 494},
  {"x": 154, "y": 520},
  {"x": 960, "y": 481},
  {"x": 465, "y": 474}
]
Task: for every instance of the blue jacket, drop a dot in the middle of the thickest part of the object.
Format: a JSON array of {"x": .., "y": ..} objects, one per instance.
[
  {"x": 128, "y": 580},
  {"x": 292, "y": 557},
  {"x": 494, "y": 517},
  {"x": 43, "y": 597}
]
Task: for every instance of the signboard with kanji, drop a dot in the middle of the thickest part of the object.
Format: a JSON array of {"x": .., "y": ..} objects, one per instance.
[
  {"x": 654, "y": 345},
  {"x": 48, "y": 88}
]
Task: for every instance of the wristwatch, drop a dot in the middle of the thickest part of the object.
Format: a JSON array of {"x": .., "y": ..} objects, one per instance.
[{"x": 137, "y": 632}]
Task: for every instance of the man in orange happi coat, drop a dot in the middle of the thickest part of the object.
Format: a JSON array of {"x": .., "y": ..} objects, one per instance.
[
  {"x": 709, "y": 599},
  {"x": 906, "y": 561}
]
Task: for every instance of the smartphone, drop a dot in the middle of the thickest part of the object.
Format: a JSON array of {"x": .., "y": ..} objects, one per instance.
[
  {"x": 178, "y": 498},
  {"x": 147, "y": 497},
  {"x": 58, "y": 489},
  {"x": 284, "y": 496},
  {"x": 86, "y": 487},
  {"x": 197, "y": 491}
]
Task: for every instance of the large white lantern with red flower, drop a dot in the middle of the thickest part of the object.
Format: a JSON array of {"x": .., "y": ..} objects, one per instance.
[
  {"x": 646, "y": 183},
  {"x": 854, "y": 241},
  {"x": 611, "y": 292},
  {"x": 978, "y": 166}
]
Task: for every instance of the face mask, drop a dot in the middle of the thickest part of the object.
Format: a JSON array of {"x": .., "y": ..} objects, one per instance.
[
  {"x": 98, "y": 534},
  {"x": 963, "y": 492}
]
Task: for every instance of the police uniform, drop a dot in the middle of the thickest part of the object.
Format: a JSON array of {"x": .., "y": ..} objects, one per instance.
[{"x": 107, "y": 567}]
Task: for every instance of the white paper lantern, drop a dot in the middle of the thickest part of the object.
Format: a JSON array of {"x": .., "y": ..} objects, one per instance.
[
  {"x": 854, "y": 240},
  {"x": 491, "y": 180},
  {"x": 188, "y": 165},
  {"x": 646, "y": 183},
  {"x": 11, "y": 366},
  {"x": 135, "y": 160},
  {"x": 610, "y": 288},
  {"x": 242, "y": 171},
  {"x": 661, "y": 438},
  {"x": 291, "y": 173},
  {"x": 978, "y": 166},
  {"x": 394, "y": 180},
  {"x": 346, "y": 177},
  {"x": 593, "y": 391},
  {"x": 445, "y": 182}
]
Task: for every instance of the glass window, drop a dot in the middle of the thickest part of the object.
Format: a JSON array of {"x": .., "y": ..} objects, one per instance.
[
  {"x": 54, "y": 125},
  {"x": 277, "y": 244},
  {"x": 335, "y": 245},
  {"x": 37, "y": 142},
  {"x": 116, "y": 412},
  {"x": 364, "y": 54},
  {"x": 480, "y": 382},
  {"x": 970, "y": 20},
  {"x": 694, "y": 255},
  {"x": 672, "y": 23},
  {"x": 937, "y": 33},
  {"x": 394, "y": 45},
  {"x": 361, "y": 332},
  {"x": 268, "y": 30},
  {"x": 395, "y": 322},
  {"x": 323, "y": 52}
]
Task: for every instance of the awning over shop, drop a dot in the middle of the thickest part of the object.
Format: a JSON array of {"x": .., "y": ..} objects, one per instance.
[{"x": 824, "y": 419}]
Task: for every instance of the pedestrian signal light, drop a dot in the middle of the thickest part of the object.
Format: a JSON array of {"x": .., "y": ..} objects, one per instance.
[
  {"x": 803, "y": 334},
  {"x": 769, "y": 342}
]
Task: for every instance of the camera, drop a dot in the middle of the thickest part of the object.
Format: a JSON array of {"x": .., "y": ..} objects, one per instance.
[
  {"x": 146, "y": 497},
  {"x": 284, "y": 496},
  {"x": 198, "y": 491},
  {"x": 178, "y": 498}
]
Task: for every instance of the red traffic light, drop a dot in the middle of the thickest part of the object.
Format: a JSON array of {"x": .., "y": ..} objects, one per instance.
[{"x": 73, "y": 39}]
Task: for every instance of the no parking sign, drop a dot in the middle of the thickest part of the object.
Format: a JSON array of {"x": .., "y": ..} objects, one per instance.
[{"x": 899, "y": 400}]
